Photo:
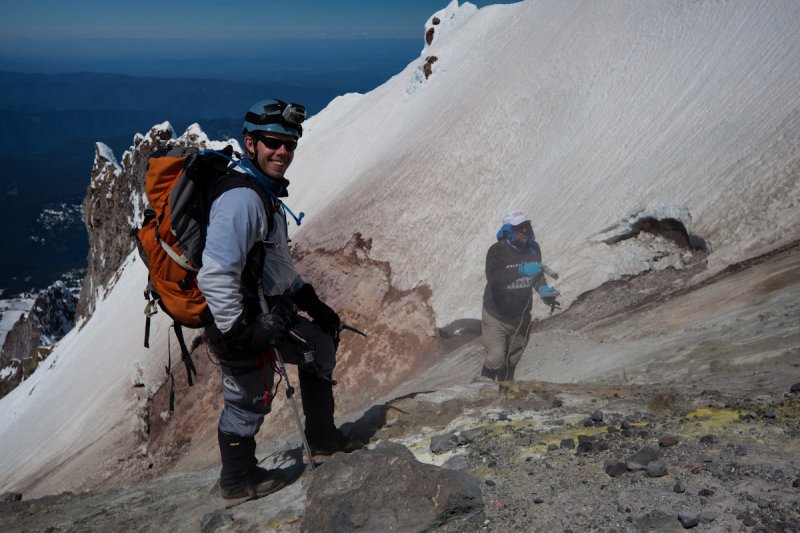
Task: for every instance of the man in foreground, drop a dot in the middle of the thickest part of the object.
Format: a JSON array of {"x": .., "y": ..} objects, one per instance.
[{"x": 252, "y": 289}]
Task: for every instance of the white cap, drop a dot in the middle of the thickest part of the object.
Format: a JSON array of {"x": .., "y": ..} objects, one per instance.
[{"x": 515, "y": 217}]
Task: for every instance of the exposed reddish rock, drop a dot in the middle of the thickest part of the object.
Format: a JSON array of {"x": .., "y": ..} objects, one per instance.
[
  {"x": 401, "y": 343},
  {"x": 428, "y": 68}
]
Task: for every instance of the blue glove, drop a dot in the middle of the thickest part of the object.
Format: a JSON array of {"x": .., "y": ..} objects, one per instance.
[
  {"x": 530, "y": 269},
  {"x": 546, "y": 292}
]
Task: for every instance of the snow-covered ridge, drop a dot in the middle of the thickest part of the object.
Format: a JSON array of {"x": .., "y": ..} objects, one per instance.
[{"x": 584, "y": 114}]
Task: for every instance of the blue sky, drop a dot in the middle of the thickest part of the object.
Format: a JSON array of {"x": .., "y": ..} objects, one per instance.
[{"x": 215, "y": 19}]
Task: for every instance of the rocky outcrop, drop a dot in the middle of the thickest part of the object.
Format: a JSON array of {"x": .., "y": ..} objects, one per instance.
[
  {"x": 429, "y": 34},
  {"x": 20, "y": 341},
  {"x": 402, "y": 337},
  {"x": 30, "y": 338},
  {"x": 428, "y": 68},
  {"x": 387, "y": 489},
  {"x": 114, "y": 195},
  {"x": 114, "y": 202}
]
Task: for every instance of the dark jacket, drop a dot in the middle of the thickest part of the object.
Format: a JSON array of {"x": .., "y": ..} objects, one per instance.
[{"x": 509, "y": 294}]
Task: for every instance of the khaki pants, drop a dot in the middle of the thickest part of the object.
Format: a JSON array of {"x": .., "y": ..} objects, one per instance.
[{"x": 504, "y": 343}]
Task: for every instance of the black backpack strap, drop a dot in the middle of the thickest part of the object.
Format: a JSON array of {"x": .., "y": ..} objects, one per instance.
[
  {"x": 234, "y": 180},
  {"x": 187, "y": 359}
]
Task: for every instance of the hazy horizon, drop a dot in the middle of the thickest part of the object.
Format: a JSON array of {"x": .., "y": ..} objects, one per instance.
[{"x": 249, "y": 41}]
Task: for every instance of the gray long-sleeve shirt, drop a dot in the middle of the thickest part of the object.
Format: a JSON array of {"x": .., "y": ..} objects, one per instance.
[{"x": 237, "y": 221}]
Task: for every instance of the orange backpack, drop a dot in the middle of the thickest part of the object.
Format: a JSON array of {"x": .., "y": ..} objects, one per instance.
[{"x": 180, "y": 185}]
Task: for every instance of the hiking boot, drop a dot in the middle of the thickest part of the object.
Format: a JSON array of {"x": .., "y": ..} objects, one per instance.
[
  {"x": 334, "y": 442},
  {"x": 259, "y": 483},
  {"x": 488, "y": 374}
]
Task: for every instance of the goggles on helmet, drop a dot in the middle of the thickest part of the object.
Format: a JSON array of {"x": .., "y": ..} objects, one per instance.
[
  {"x": 294, "y": 113},
  {"x": 278, "y": 112},
  {"x": 275, "y": 116}
]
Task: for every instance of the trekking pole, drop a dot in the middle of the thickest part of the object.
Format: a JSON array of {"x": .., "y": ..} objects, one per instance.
[
  {"x": 289, "y": 388},
  {"x": 354, "y": 330}
]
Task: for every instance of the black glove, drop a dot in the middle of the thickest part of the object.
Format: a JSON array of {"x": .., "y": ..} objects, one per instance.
[
  {"x": 265, "y": 330},
  {"x": 324, "y": 317},
  {"x": 248, "y": 338}
]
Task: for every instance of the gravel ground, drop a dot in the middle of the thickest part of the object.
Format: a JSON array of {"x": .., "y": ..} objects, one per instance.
[{"x": 678, "y": 408}]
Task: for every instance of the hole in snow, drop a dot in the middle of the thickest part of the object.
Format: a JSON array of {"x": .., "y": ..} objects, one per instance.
[{"x": 670, "y": 228}]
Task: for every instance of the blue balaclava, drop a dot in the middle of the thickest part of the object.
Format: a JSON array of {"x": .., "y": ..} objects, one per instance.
[{"x": 515, "y": 217}]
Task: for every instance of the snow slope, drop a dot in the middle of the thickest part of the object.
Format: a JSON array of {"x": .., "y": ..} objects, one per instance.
[
  {"x": 580, "y": 113},
  {"x": 81, "y": 405}
]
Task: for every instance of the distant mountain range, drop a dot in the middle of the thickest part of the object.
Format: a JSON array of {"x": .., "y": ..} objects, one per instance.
[{"x": 50, "y": 122}]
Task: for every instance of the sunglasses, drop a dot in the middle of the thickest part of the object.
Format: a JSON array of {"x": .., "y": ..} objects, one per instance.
[{"x": 273, "y": 143}]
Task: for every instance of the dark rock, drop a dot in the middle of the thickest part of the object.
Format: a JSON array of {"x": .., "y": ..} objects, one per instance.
[
  {"x": 428, "y": 68},
  {"x": 444, "y": 443},
  {"x": 688, "y": 519},
  {"x": 625, "y": 425},
  {"x": 656, "y": 468},
  {"x": 538, "y": 500},
  {"x": 567, "y": 443},
  {"x": 708, "y": 439},
  {"x": 749, "y": 521},
  {"x": 668, "y": 441},
  {"x": 585, "y": 447},
  {"x": 795, "y": 388},
  {"x": 473, "y": 434},
  {"x": 429, "y": 35},
  {"x": 641, "y": 459},
  {"x": 614, "y": 467},
  {"x": 461, "y": 327},
  {"x": 596, "y": 416},
  {"x": 214, "y": 521},
  {"x": 707, "y": 516},
  {"x": 457, "y": 462},
  {"x": 557, "y": 403},
  {"x": 678, "y": 488},
  {"x": 585, "y": 438},
  {"x": 657, "y": 521},
  {"x": 552, "y": 447},
  {"x": 489, "y": 483},
  {"x": 770, "y": 414},
  {"x": 796, "y": 483},
  {"x": 350, "y": 492},
  {"x": 10, "y": 497}
]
